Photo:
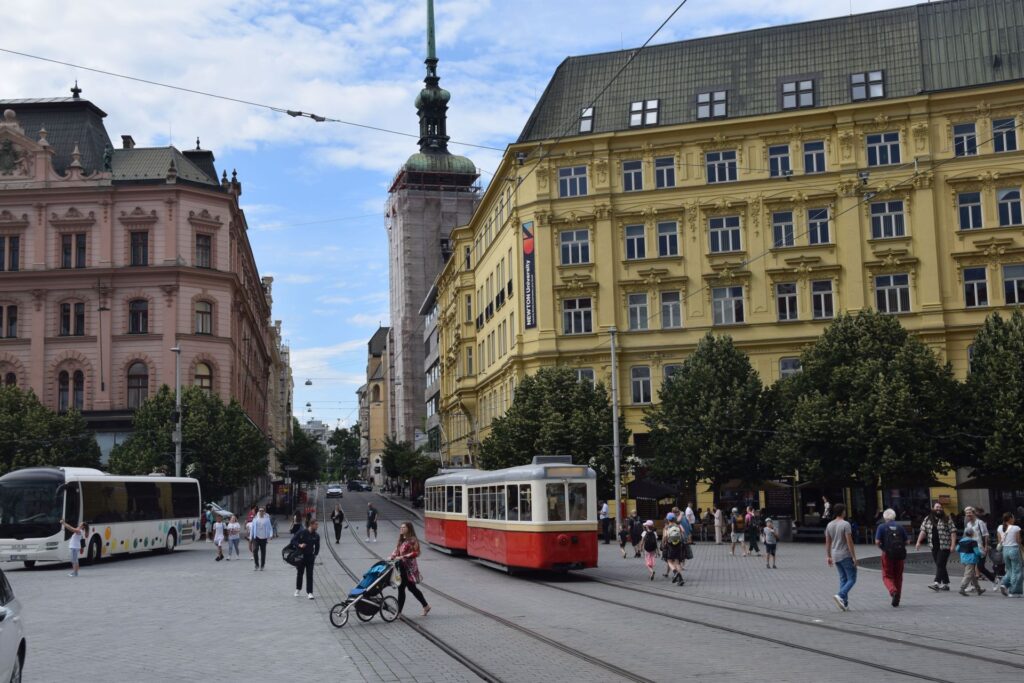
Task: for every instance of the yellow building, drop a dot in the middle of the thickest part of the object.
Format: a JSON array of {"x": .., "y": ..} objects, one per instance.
[{"x": 730, "y": 184}]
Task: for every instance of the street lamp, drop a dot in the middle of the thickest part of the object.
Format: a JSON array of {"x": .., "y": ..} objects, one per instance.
[{"x": 176, "y": 436}]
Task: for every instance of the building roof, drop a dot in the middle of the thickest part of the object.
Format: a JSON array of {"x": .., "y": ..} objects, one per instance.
[
  {"x": 68, "y": 122},
  {"x": 151, "y": 163},
  {"x": 922, "y": 48},
  {"x": 379, "y": 341}
]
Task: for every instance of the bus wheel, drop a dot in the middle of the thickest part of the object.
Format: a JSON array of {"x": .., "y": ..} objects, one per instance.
[
  {"x": 170, "y": 542},
  {"x": 93, "y": 555},
  {"x": 29, "y": 564}
]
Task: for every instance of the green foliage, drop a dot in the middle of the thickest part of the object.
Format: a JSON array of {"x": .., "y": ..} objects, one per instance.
[
  {"x": 705, "y": 425},
  {"x": 220, "y": 446},
  {"x": 994, "y": 398},
  {"x": 401, "y": 461},
  {"x": 32, "y": 435},
  {"x": 870, "y": 402},
  {"x": 305, "y": 454},
  {"x": 343, "y": 462},
  {"x": 554, "y": 413}
]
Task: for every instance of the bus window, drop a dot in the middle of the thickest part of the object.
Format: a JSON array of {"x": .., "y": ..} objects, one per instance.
[
  {"x": 578, "y": 502},
  {"x": 556, "y": 502},
  {"x": 185, "y": 499},
  {"x": 104, "y": 502},
  {"x": 143, "y": 504},
  {"x": 499, "y": 500},
  {"x": 524, "y": 503},
  {"x": 30, "y": 508},
  {"x": 513, "y": 502},
  {"x": 458, "y": 500}
]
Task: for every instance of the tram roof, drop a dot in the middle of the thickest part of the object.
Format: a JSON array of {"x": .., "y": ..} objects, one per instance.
[
  {"x": 535, "y": 471},
  {"x": 452, "y": 477}
]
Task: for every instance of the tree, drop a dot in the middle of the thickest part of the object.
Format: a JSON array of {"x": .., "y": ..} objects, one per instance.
[
  {"x": 343, "y": 462},
  {"x": 401, "y": 461},
  {"x": 220, "y": 446},
  {"x": 554, "y": 413},
  {"x": 705, "y": 424},
  {"x": 871, "y": 402},
  {"x": 994, "y": 398},
  {"x": 304, "y": 454},
  {"x": 32, "y": 435}
]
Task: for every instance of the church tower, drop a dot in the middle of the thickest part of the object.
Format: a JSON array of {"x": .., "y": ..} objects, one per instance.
[{"x": 432, "y": 193}]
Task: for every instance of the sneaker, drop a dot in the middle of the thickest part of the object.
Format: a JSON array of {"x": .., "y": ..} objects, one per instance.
[
  {"x": 963, "y": 593},
  {"x": 944, "y": 587},
  {"x": 367, "y": 539},
  {"x": 298, "y": 592},
  {"x": 980, "y": 591},
  {"x": 839, "y": 603},
  {"x": 1002, "y": 589},
  {"x": 934, "y": 587},
  {"x": 255, "y": 569},
  {"x": 309, "y": 596},
  {"x": 228, "y": 559},
  {"x": 72, "y": 574}
]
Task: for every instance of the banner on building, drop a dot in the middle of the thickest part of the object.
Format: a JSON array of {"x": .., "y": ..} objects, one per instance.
[{"x": 529, "y": 279}]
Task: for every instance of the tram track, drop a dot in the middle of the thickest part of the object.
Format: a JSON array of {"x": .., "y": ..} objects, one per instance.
[{"x": 625, "y": 674}]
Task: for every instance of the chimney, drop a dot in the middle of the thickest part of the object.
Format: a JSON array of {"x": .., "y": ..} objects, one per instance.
[{"x": 127, "y": 142}]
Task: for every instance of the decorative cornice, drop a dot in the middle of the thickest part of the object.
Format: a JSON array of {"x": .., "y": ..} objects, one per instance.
[
  {"x": 73, "y": 218},
  {"x": 11, "y": 221},
  {"x": 205, "y": 219},
  {"x": 138, "y": 216}
]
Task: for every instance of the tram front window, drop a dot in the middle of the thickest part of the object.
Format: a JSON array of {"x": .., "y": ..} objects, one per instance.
[
  {"x": 30, "y": 508},
  {"x": 578, "y": 502},
  {"x": 556, "y": 502}
]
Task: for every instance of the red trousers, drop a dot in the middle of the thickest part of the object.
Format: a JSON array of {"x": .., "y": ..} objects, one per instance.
[{"x": 892, "y": 574}]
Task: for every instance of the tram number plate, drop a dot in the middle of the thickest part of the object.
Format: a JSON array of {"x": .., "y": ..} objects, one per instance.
[{"x": 18, "y": 558}]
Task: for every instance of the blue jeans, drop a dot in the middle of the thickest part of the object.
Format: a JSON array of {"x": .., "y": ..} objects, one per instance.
[
  {"x": 1013, "y": 578},
  {"x": 847, "y": 577}
]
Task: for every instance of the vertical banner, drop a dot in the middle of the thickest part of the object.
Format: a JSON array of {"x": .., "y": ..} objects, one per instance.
[{"x": 529, "y": 279}]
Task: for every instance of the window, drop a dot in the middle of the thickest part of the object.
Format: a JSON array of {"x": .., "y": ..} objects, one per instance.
[
  {"x": 204, "y": 251},
  {"x": 78, "y": 390},
  {"x": 887, "y": 220},
  {"x": 585, "y": 375},
  {"x": 712, "y": 105},
  {"x": 817, "y": 226},
  {"x": 797, "y": 94},
  {"x": 665, "y": 172},
  {"x": 72, "y": 320},
  {"x": 782, "y": 229},
  {"x": 785, "y": 301},
  {"x": 721, "y": 166},
  {"x": 867, "y": 85},
  {"x": 13, "y": 252},
  {"x": 577, "y": 316},
  {"x": 1013, "y": 284},
  {"x": 138, "y": 317},
  {"x": 10, "y": 380},
  {"x": 63, "y": 389},
  {"x": 139, "y": 249},
  {"x": 637, "y": 304},
  {"x": 892, "y": 293},
  {"x": 814, "y": 157},
  {"x": 724, "y": 233},
  {"x": 138, "y": 384},
  {"x": 587, "y": 120},
  {"x": 72, "y": 250},
  {"x": 668, "y": 239},
  {"x": 572, "y": 181},
  {"x": 778, "y": 161},
  {"x": 575, "y": 247},
  {"x": 1004, "y": 135},
  {"x": 671, "y": 371},
  {"x": 883, "y": 149},
  {"x": 965, "y": 140},
  {"x": 640, "y": 378},
  {"x": 1009, "y": 207},
  {"x": 204, "y": 377},
  {"x": 788, "y": 367},
  {"x": 555, "y": 494},
  {"x": 469, "y": 308},
  {"x": 632, "y": 176},
  {"x": 821, "y": 300},
  {"x": 643, "y": 113},
  {"x": 65, "y": 250},
  {"x": 728, "y": 305},
  {"x": 636, "y": 247},
  {"x": 969, "y": 205},
  {"x": 469, "y": 362},
  {"x": 204, "y": 317},
  {"x": 671, "y": 310},
  {"x": 10, "y": 327},
  {"x": 65, "y": 320},
  {"x": 975, "y": 287}
]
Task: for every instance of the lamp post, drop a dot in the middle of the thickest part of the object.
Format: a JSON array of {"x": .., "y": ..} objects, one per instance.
[{"x": 176, "y": 437}]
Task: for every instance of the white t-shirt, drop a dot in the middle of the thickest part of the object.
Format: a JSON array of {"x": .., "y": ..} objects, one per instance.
[
  {"x": 604, "y": 512},
  {"x": 218, "y": 531},
  {"x": 689, "y": 516},
  {"x": 75, "y": 543},
  {"x": 1011, "y": 537},
  {"x": 234, "y": 530}
]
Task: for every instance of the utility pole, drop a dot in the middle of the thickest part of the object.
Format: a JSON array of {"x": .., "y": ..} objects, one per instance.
[
  {"x": 616, "y": 455},
  {"x": 176, "y": 437}
]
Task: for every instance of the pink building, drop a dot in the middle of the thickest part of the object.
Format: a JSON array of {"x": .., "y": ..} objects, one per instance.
[{"x": 111, "y": 257}]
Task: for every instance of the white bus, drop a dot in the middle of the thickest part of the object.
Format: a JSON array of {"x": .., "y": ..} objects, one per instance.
[{"x": 124, "y": 514}]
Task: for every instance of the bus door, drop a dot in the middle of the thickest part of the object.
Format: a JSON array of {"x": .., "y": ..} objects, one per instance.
[{"x": 72, "y": 506}]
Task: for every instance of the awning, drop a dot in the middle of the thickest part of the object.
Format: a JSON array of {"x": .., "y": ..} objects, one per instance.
[
  {"x": 992, "y": 482},
  {"x": 648, "y": 488},
  {"x": 751, "y": 485}
]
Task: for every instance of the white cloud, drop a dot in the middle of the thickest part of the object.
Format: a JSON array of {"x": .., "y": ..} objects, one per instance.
[{"x": 366, "y": 320}]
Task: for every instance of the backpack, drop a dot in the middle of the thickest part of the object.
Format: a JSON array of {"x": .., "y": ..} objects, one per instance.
[
  {"x": 675, "y": 534},
  {"x": 893, "y": 544},
  {"x": 738, "y": 522},
  {"x": 651, "y": 542}
]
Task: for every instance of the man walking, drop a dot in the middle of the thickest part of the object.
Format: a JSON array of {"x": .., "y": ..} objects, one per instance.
[
  {"x": 602, "y": 517},
  {"x": 371, "y": 522},
  {"x": 261, "y": 531},
  {"x": 308, "y": 541},
  {"x": 839, "y": 553},
  {"x": 892, "y": 538},
  {"x": 940, "y": 532}
]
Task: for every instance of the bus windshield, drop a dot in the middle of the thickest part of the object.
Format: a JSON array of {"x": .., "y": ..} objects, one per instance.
[{"x": 30, "y": 508}]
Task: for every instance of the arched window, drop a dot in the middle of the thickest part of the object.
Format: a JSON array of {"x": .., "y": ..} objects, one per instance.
[
  {"x": 63, "y": 382},
  {"x": 78, "y": 390},
  {"x": 376, "y": 393},
  {"x": 138, "y": 317},
  {"x": 10, "y": 379},
  {"x": 204, "y": 377},
  {"x": 204, "y": 317},
  {"x": 138, "y": 384}
]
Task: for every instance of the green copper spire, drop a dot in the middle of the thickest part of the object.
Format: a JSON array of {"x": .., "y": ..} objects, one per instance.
[{"x": 431, "y": 47}]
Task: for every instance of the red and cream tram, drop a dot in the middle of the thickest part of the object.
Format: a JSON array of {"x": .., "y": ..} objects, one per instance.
[{"x": 537, "y": 516}]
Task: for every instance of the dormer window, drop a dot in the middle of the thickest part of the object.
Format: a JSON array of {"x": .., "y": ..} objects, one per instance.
[
  {"x": 587, "y": 120},
  {"x": 643, "y": 113},
  {"x": 867, "y": 85},
  {"x": 797, "y": 94},
  {"x": 712, "y": 105}
]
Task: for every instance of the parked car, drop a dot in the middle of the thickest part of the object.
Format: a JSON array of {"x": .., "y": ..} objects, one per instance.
[
  {"x": 12, "y": 634},
  {"x": 334, "y": 491},
  {"x": 356, "y": 485}
]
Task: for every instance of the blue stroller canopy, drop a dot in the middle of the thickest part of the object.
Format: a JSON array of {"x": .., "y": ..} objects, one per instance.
[{"x": 378, "y": 573}]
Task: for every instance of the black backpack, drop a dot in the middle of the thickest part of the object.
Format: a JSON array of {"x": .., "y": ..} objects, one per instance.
[
  {"x": 893, "y": 544},
  {"x": 651, "y": 542}
]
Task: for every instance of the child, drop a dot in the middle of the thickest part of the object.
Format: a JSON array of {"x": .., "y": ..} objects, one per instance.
[
  {"x": 969, "y": 555},
  {"x": 649, "y": 542},
  {"x": 75, "y": 543},
  {"x": 218, "y": 537},
  {"x": 234, "y": 530},
  {"x": 771, "y": 539},
  {"x": 624, "y": 537}
]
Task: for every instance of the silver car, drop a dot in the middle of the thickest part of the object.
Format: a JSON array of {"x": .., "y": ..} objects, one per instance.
[{"x": 12, "y": 634}]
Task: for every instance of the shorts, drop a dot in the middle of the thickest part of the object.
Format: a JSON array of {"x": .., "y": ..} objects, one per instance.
[
  {"x": 674, "y": 552},
  {"x": 219, "y": 541},
  {"x": 769, "y": 548},
  {"x": 73, "y": 553},
  {"x": 371, "y": 525},
  {"x": 737, "y": 536}
]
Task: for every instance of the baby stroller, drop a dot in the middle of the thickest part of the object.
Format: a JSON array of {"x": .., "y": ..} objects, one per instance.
[{"x": 367, "y": 599}]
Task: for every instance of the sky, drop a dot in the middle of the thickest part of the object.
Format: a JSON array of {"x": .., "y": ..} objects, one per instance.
[{"x": 314, "y": 193}]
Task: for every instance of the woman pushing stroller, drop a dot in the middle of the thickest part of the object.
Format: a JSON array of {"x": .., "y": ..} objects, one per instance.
[{"x": 406, "y": 552}]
